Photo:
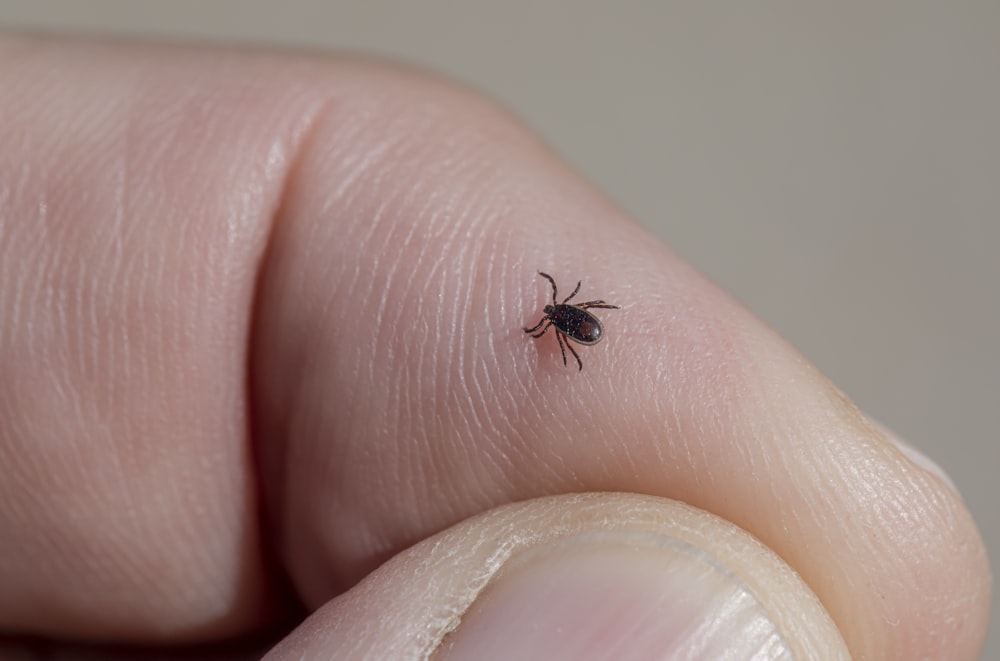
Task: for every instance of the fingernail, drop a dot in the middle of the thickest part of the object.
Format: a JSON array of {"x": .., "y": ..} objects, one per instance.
[
  {"x": 915, "y": 455},
  {"x": 616, "y": 595}
]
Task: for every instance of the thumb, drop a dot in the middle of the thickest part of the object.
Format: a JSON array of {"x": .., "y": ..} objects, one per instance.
[{"x": 585, "y": 576}]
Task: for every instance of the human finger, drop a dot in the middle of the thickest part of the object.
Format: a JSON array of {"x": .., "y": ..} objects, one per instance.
[
  {"x": 585, "y": 576},
  {"x": 408, "y": 219},
  {"x": 398, "y": 393},
  {"x": 137, "y": 187}
]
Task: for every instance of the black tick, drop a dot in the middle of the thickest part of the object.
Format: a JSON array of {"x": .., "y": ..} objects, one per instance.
[{"x": 571, "y": 322}]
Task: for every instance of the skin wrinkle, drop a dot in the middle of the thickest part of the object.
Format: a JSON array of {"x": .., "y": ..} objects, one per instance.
[
  {"x": 460, "y": 389},
  {"x": 465, "y": 344},
  {"x": 320, "y": 111},
  {"x": 838, "y": 589},
  {"x": 457, "y": 337},
  {"x": 407, "y": 376},
  {"x": 356, "y": 165},
  {"x": 786, "y": 520},
  {"x": 485, "y": 414},
  {"x": 454, "y": 382}
]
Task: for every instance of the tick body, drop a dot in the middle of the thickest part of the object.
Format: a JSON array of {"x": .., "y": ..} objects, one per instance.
[{"x": 570, "y": 321}]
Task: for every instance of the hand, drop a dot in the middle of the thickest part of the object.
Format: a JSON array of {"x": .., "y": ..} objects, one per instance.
[{"x": 262, "y": 334}]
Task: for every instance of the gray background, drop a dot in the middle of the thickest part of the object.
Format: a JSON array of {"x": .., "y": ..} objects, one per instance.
[{"x": 836, "y": 165}]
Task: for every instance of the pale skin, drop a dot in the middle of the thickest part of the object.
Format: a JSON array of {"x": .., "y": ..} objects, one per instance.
[{"x": 232, "y": 280}]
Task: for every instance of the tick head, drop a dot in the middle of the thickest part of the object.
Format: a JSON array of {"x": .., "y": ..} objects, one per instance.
[{"x": 548, "y": 309}]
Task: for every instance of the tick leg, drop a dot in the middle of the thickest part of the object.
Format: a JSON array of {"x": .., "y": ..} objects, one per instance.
[
  {"x": 598, "y": 304},
  {"x": 553, "y": 283},
  {"x": 537, "y": 326},
  {"x": 572, "y": 351},
  {"x": 574, "y": 292},
  {"x": 543, "y": 331},
  {"x": 562, "y": 346}
]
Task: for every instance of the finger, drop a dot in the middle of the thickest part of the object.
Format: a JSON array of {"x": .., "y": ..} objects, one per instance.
[
  {"x": 397, "y": 392},
  {"x": 583, "y": 576},
  {"x": 149, "y": 529},
  {"x": 137, "y": 187}
]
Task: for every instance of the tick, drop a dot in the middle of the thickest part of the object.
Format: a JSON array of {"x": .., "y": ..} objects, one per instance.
[{"x": 572, "y": 322}]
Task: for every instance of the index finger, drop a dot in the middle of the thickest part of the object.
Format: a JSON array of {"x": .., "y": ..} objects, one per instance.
[{"x": 399, "y": 392}]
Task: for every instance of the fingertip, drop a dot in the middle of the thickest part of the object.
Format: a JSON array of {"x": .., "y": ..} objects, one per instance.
[
  {"x": 394, "y": 375},
  {"x": 586, "y": 575}
]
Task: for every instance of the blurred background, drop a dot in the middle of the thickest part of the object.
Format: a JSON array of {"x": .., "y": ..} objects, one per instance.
[{"x": 835, "y": 165}]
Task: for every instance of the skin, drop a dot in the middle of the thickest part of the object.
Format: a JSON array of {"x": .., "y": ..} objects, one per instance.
[{"x": 262, "y": 332}]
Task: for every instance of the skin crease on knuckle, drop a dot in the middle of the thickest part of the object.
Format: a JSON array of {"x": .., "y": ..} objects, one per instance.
[{"x": 393, "y": 229}]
